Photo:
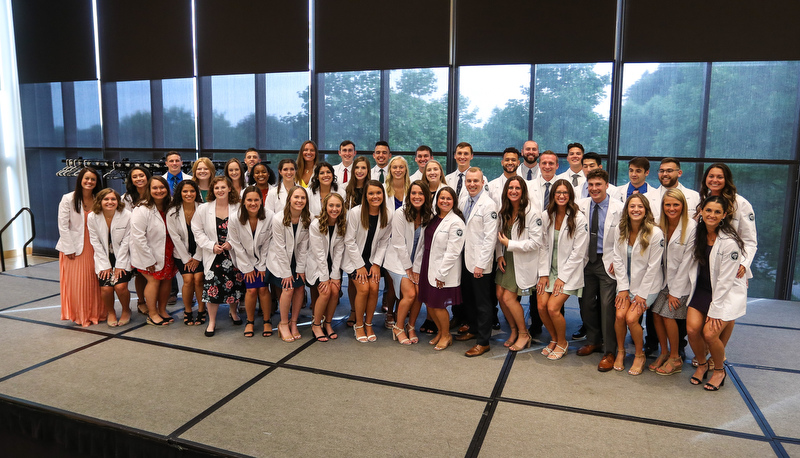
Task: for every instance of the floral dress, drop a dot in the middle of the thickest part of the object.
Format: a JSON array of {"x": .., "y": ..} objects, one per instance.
[{"x": 224, "y": 284}]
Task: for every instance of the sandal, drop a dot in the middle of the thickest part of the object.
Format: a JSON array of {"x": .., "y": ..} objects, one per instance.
[
  {"x": 332, "y": 334},
  {"x": 323, "y": 337},
  {"x": 267, "y": 329},
  {"x": 672, "y": 366},
  {"x": 351, "y": 321},
  {"x": 201, "y": 317},
  {"x": 527, "y": 344},
  {"x": 558, "y": 352},
  {"x": 298, "y": 335},
  {"x": 660, "y": 361},
  {"x": 619, "y": 361},
  {"x": 637, "y": 370},
  {"x": 440, "y": 347},
  {"x": 160, "y": 323},
  {"x": 396, "y": 333},
  {"x": 288, "y": 337},
  {"x": 547, "y": 350},
  {"x": 709, "y": 387},
  {"x": 168, "y": 318},
  {"x": 389, "y": 321},
  {"x": 371, "y": 337},
  {"x": 249, "y": 333},
  {"x": 362, "y": 339},
  {"x": 412, "y": 334},
  {"x": 188, "y": 318},
  {"x": 139, "y": 308},
  {"x": 696, "y": 381}
]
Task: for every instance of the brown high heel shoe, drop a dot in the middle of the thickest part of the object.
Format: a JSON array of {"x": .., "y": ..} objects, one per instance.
[{"x": 526, "y": 345}]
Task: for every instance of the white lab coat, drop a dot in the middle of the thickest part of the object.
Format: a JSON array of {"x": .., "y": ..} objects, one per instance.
[
  {"x": 452, "y": 181},
  {"x": 251, "y": 247},
  {"x": 536, "y": 190},
  {"x": 526, "y": 247},
  {"x": 568, "y": 176},
  {"x": 398, "y": 253},
  {"x": 481, "y": 232},
  {"x": 204, "y": 227},
  {"x": 645, "y": 275},
  {"x": 728, "y": 293},
  {"x": 70, "y": 227},
  {"x": 445, "y": 252},
  {"x": 356, "y": 237},
  {"x": 656, "y": 195},
  {"x": 613, "y": 215},
  {"x": 276, "y": 201},
  {"x": 678, "y": 259},
  {"x": 284, "y": 245},
  {"x": 319, "y": 247},
  {"x": 338, "y": 170},
  {"x": 496, "y": 189},
  {"x": 179, "y": 233},
  {"x": 744, "y": 223},
  {"x": 120, "y": 237},
  {"x": 315, "y": 202},
  {"x": 572, "y": 250},
  {"x": 148, "y": 238}
]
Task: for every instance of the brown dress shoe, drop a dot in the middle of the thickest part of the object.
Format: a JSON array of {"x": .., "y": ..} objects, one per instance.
[
  {"x": 607, "y": 363},
  {"x": 588, "y": 349},
  {"x": 465, "y": 336},
  {"x": 463, "y": 328},
  {"x": 478, "y": 350}
]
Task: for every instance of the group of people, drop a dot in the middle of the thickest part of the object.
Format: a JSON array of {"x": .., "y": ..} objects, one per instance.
[{"x": 454, "y": 240}]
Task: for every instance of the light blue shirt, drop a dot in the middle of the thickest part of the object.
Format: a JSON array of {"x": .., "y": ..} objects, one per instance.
[{"x": 601, "y": 220}]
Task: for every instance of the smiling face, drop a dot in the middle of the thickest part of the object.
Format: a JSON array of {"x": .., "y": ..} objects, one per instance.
[
  {"x": 444, "y": 202},
  {"x": 715, "y": 181},
  {"x": 325, "y": 176},
  {"x": 234, "y": 171},
  {"x": 360, "y": 170},
  {"x": 548, "y": 164},
  {"x": 375, "y": 196},
  {"x": 252, "y": 202},
  {"x": 530, "y": 152},
  {"x": 672, "y": 208},
  {"x": 157, "y": 190},
  {"x": 309, "y": 152},
  {"x": 416, "y": 196},
  {"x": 174, "y": 163},
  {"x": 334, "y": 209},
  {"x": 398, "y": 170},
  {"x": 202, "y": 172},
  {"x": 713, "y": 214},
  {"x": 514, "y": 192},
  {"x": 287, "y": 172},
  {"x": 668, "y": 174},
  {"x": 89, "y": 181},
  {"x": 347, "y": 153},
  {"x": 381, "y": 155},
  {"x": 251, "y": 158},
  {"x": 561, "y": 195},
  {"x": 510, "y": 163},
  {"x": 433, "y": 172},
  {"x": 637, "y": 175},
  {"x": 261, "y": 175},
  {"x": 109, "y": 202},
  {"x": 298, "y": 200},
  {"x": 221, "y": 189},
  {"x": 636, "y": 210},
  {"x": 597, "y": 188},
  {"x": 463, "y": 157},
  {"x": 188, "y": 194},
  {"x": 422, "y": 157},
  {"x": 474, "y": 183},
  {"x": 589, "y": 165},
  {"x": 139, "y": 179},
  {"x": 574, "y": 156}
]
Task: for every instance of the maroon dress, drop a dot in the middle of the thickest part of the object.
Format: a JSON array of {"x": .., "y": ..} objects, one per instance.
[{"x": 432, "y": 296}]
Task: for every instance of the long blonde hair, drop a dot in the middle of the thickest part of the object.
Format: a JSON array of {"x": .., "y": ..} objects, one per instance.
[
  {"x": 390, "y": 180},
  {"x": 645, "y": 231},
  {"x": 663, "y": 222}
]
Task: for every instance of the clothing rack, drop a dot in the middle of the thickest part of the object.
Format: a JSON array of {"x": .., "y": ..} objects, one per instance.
[{"x": 111, "y": 170}]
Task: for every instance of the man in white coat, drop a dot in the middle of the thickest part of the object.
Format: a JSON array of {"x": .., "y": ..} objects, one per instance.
[
  {"x": 530, "y": 154},
  {"x": 575, "y": 172},
  {"x": 600, "y": 287},
  {"x": 463, "y": 157},
  {"x": 421, "y": 157},
  {"x": 510, "y": 162},
  {"x": 591, "y": 161},
  {"x": 480, "y": 212},
  {"x": 539, "y": 188},
  {"x": 638, "y": 169},
  {"x": 382, "y": 154},
  {"x": 347, "y": 151}
]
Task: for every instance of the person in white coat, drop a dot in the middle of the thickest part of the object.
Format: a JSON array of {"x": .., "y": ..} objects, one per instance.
[
  {"x": 437, "y": 264},
  {"x": 203, "y": 171},
  {"x": 80, "y": 293},
  {"x": 152, "y": 248},
  {"x": 249, "y": 234},
  {"x": 135, "y": 184},
  {"x": 719, "y": 291},
  {"x": 188, "y": 256},
  {"x": 286, "y": 259},
  {"x": 670, "y": 305},
  {"x": 368, "y": 230},
  {"x": 307, "y": 160},
  {"x": 278, "y": 194},
  {"x": 223, "y": 282},
  {"x": 669, "y": 174},
  {"x": 638, "y": 249},
  {"x": 359, "y": 176},
  {"x": 109, "y": 232},
  {"x": 234, "y": 171},
  {"x": 561, "y": 262},
  {"x": 322, "y": 183},
  {"x": 323, "y": 268},
  {"x": 434, "y": 178},
  {"x": 518, "y": 242},
  {"x": 408, "y": 223}
]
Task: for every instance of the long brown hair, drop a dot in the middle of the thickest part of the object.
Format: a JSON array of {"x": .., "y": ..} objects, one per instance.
[
  {"x": 425, "y": 210},
  {"x": 352, "y": 183},
  {"x": 147, "y": 198},
  {"x": 384, "y": 217},
  {"x": 301, "y": 162},
  {"x": 647, "y": 225},
  {"x": 728, "y": 191},
  {"x": 341, "y": 221},
  {"x": 701, "y": 236},
  {"x": 507, "y": 209},
  {"x": 77, "y": 196},
  {"x": 233, "y": 196},
  {"x": 305, "y": 214},
  {"x": 572, "y": 207},
  {"x": 242, "y": 184},
  {"x": 454, "y": 196},
  {"x": 244, "y": 215}
]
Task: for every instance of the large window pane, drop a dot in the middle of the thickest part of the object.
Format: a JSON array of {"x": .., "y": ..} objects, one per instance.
[
  {"x": 351, "y": 109},
  {"x": 418, "y": 109},
  {"x": 178, "y": 99},
  {"x": 753, "y": 109},
  {"x": 134, "y": 114},
  {"x": 661, "y": 109},
  {"x": 233, "y": 101},
  {"x": 572, "y": 104},
  {"x": 42, "y": 114},
  {"x": 87, "y": 114},
  {"x": 493, "y": 106},
  {"x": 287, "y": 110}
]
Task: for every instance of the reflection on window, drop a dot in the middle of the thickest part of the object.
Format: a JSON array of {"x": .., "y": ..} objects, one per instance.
[
  {"x": 652, "y": 177},
  {"x": 661, "y": 109},
  {"x": 572, "y": 104},
  {"x": 178, "y": 100},
  {"x": 418, "y": 109},
  {"x": 233, "y": 100},
  {"x": 752, "y": 109},
  {"x": 87, "y": 114},
  {"x": 134, "y": 114},
  {"x": 493, "y": 106},
  {"x": 287, "y": 110},
  {"x": 351, "y": 110},
  {"x": 42, "y": 114}
]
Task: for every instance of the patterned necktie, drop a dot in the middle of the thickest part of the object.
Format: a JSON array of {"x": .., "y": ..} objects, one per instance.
[
  {"x": 594, "y": 233},
  {"x": 575, "y": 180},
  {"x": 381, "y": 177},
  {"x": 546, "y": 195},
  {"x": 530, "y": 174},
  {"x": 469, "y": 207},
  {"x": 460, "y": 182}
]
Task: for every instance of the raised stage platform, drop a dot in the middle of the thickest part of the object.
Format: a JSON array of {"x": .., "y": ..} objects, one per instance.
[{"x": 146, "y": 391}]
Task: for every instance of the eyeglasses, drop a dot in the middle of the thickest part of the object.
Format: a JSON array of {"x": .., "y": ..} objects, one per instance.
[{"x": 663, "y": 171}]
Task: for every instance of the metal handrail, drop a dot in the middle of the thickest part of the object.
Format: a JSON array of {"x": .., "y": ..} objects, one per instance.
[{"x": 25, "y": 246}]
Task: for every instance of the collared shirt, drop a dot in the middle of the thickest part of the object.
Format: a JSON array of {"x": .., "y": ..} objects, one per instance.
[
  {"x": 474, "y": 200},
  {"x": 376, "y": 173},
  {"x": 601, "y": 220},
  {"x": 173, "y": 180},
  {"x": 642, "y": 189},
  {"x": 523, "y": 171}
]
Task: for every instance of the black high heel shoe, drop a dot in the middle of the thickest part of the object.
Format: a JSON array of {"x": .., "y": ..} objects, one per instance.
[
  {"x": 709, "y": 387},
  {"x": 235, "y": 322},
  {"x": 696, "y": 381}
]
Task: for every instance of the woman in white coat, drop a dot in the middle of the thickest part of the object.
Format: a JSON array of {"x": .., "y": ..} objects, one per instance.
[
  {"x": 670, "y": 305},
  {"x": 368, "y": 231},
  {"x": 322, "y": 183},
  {"x": 223, "y": 282},
  {"x": 278, "y": 194},
  {"x": 437, "y": 264},
  {"x": 135, "y": 184},
  {"x": 561, "y": 261},
  {"x": 250, "y": 233},
  {"x": 286, "y": 261},
  {"x": 188, "y": 256},
  {"x": 720, "y": 294},
  {"x": 109, "y": 232},
  {"x": 638, "y": 249},
  {"x": 518, "y": 243},
  {"x": 152, "y": 248},
  {"x": 323, "y": 268},
  {"x": 408, "y": 223},
  {"x": 80, "y": 294}
]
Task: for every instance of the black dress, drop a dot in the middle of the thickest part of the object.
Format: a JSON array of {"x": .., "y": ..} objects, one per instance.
[{"x": 226, "y": 284}]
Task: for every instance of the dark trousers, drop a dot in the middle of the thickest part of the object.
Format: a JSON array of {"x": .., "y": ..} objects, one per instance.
[
  {"x": 597, "y": 306},
  {"x": 479, "y": 300}
]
